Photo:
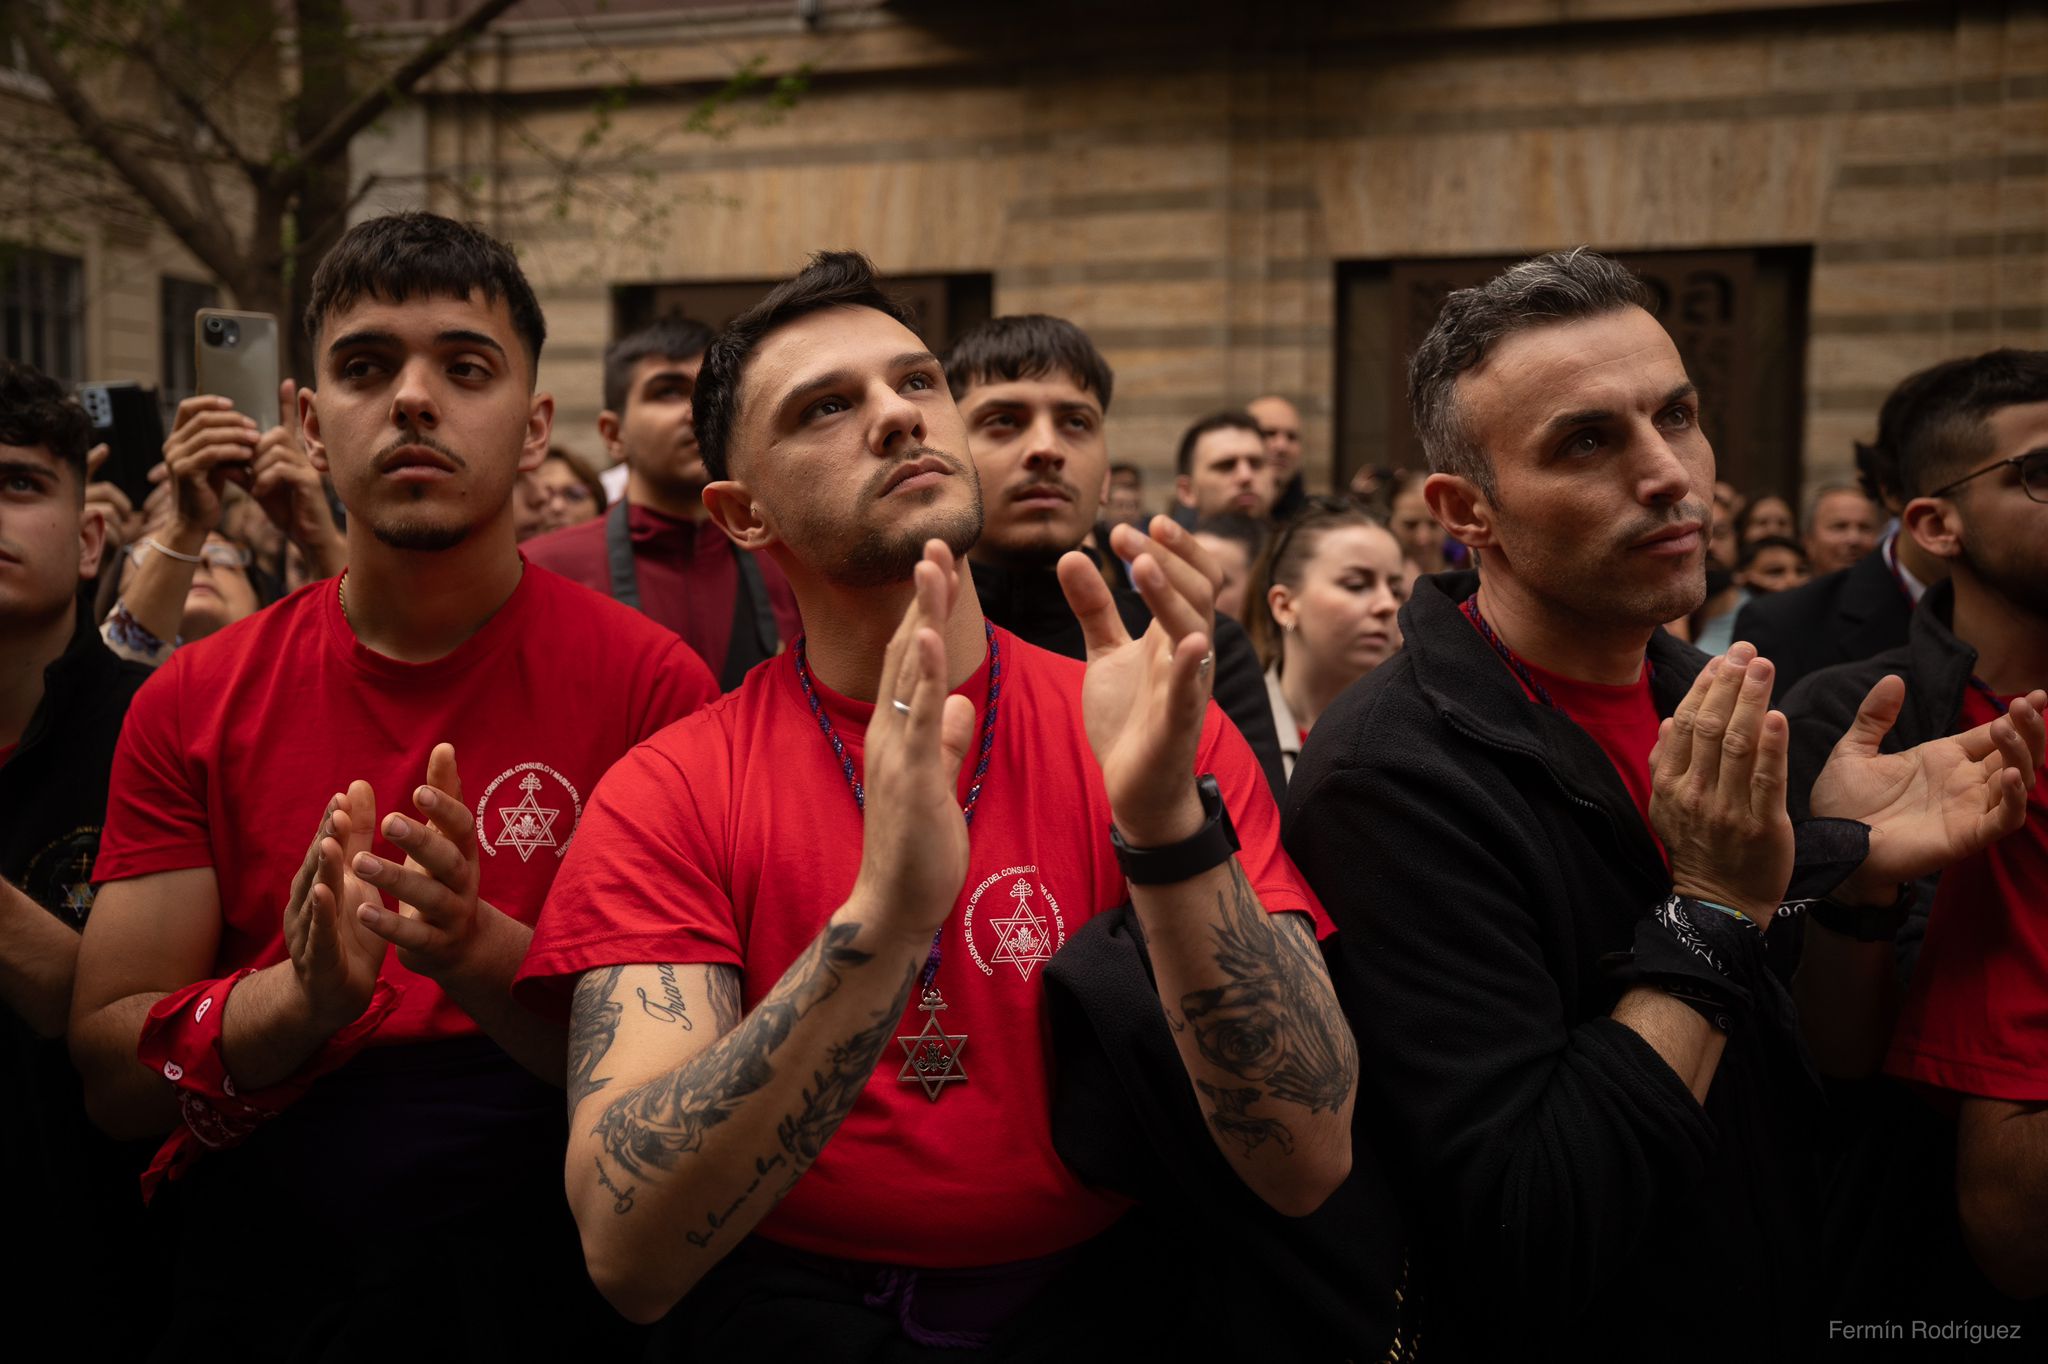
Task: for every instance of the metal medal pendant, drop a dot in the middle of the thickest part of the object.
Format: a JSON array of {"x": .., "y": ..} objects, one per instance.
[{"x": 931, "y": 1057}]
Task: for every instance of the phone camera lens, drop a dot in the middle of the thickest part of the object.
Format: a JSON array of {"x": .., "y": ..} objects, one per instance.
[{"x": 214, "y": 325}]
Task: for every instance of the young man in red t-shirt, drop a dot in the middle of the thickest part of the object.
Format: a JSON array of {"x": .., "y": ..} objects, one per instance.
[
  {"x": 800, "y": 980},
  {"x": 287, "y": 808},
  {"x": 1975, "y": 1020}
]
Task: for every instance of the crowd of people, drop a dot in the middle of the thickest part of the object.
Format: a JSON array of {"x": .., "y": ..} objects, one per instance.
[{"x": 1549, "y": 904}]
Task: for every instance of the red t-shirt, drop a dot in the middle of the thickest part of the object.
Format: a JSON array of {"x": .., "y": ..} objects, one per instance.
[
  {"x": 231, "y": 750},
  {"x": 1975, "y": 1019},
  {"x": 1622, "y": 720},
  {"x": 732, "y": 838},
  {"x": 687, "y": 576}
]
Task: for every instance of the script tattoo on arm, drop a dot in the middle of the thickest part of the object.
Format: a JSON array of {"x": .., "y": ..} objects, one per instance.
[
  {"x": 652, "y": 1126},
  {"x": 593, "y": 1024},
  {"x": 671, "y": 1009},
  {"x": 1275, "y": 1025}
]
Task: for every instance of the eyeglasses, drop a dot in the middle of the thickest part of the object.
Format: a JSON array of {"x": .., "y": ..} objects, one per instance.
[
  {"x": 2033, "y": 467},
  {"x": 572, "y": 493},
  {"x": 225, "y": 556}
]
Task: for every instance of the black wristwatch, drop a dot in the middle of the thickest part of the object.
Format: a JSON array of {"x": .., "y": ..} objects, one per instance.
[{"x": 1209, "y": 846}]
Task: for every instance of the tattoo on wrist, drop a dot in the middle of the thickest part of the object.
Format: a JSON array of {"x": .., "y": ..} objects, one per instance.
[{"x": 1274, "y": 1025}]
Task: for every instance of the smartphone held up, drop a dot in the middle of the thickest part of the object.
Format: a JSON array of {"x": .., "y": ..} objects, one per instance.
[{"x": 237, "y": 358}]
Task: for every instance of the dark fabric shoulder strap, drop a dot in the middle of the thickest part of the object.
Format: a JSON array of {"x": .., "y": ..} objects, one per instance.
[{"x": 618, "y": 553}]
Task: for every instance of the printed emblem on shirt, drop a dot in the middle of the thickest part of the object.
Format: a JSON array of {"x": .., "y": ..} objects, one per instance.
[
  {"x": 59, "y": 876},
  {"x": 1019, "y": 925},
  {"x": 529, "y": 807}
]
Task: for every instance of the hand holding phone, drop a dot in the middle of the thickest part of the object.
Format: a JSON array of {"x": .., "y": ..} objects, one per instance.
[{"x": 209, "y": 442}]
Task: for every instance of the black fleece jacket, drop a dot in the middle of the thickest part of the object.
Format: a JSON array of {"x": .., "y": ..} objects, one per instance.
[
  {"x": 1030, "y": 605},
  {"x": 1484, "y": 864}
]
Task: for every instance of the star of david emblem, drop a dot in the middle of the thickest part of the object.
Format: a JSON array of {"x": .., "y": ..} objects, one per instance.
[
  {"x": 1023, "y": 940},
  {"x": 932, "y": 1057},
  {"x": 529, "y": 824}
]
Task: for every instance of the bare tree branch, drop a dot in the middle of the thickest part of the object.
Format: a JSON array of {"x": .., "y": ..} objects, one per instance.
[
  {"x": 197, "y": 111},
  {"x": 371, "y": 104},
  {"x": 208, "y": 240}
]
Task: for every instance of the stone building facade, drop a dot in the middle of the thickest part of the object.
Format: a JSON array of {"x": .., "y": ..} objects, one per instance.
[{"x": 1237, "y": 199}]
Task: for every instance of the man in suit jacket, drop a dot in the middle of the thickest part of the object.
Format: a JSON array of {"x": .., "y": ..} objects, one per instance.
[{"x": 1860, "y": 611}]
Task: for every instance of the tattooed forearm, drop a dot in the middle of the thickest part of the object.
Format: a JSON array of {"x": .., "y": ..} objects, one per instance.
[
  {"x": 622, "y": 1199},
  {"x": 593, "y": 1024},
  {"x": 1232, "y": 1120},
  {"x": 653, "y": 1125},
  {"x": 714, "y": 1220},
  {"x": 832, "y": 1091},
  {"x": 1275, "y": 1023},
  {"x": 671, "y": 1009},
  {"x": 724, "y": 988}
]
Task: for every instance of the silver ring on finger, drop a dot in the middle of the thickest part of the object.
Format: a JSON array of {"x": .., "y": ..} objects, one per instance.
[
  {"x": 1208, "y": 662},
  {"x": 902, "y": 707}
]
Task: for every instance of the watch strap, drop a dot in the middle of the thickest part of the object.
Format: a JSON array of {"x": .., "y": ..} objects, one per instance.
[{"x": 1208, "y": 847}]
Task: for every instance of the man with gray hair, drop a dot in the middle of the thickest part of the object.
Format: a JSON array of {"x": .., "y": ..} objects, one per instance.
[{"x": 1553, "y": 838}]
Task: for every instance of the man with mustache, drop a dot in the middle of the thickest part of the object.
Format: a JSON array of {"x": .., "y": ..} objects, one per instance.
[
  {"x": 656, "y": 549},
  {"x": 287, "y": 808},
  {"x": 802, "y": 939},
  {"x": 1035, "y": 392},
  {"x": 1553, "y": 839}
]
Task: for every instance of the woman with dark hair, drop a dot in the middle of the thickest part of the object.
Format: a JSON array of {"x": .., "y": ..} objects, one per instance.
[
  {"x": 1322, "y": 608},
  {"x": 1768, "y": 515}
]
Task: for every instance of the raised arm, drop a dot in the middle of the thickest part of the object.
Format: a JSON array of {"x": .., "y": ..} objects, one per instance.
[
  {"x": 687, "y": 1120},
  {"x": 1256, "y": 1021},
  {"x": 1927, "y": 808}
]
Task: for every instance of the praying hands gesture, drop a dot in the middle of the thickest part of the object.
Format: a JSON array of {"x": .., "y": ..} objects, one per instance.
[
  {"x": 1717, "y": 796},
  {"x": 333, "y": 960},
  {"x": 443, "y": 929},
  {"x": 280, "y": 1016},
  {"x": 913, "y": 839},
  {"x": 1930, "y": 806}
]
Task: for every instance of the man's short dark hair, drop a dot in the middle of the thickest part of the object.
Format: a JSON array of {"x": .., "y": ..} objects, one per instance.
[
  {"x": 1027, "y": 346},
  {"x": 403, "y": 255},
  {"x": 1562, "y": 286},
  {"x": 35, "y": 410},
  {"x": 1756, "y": 547},
  {"x": 1129, "y": 472},
  {"x": 1932, "y": 429},
  {"x": 1230, "y": 526},
  {"x": 1184, "y": 460},
  {"x": 833, "y": 279},
  {"x": 671, "y": 338}
]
